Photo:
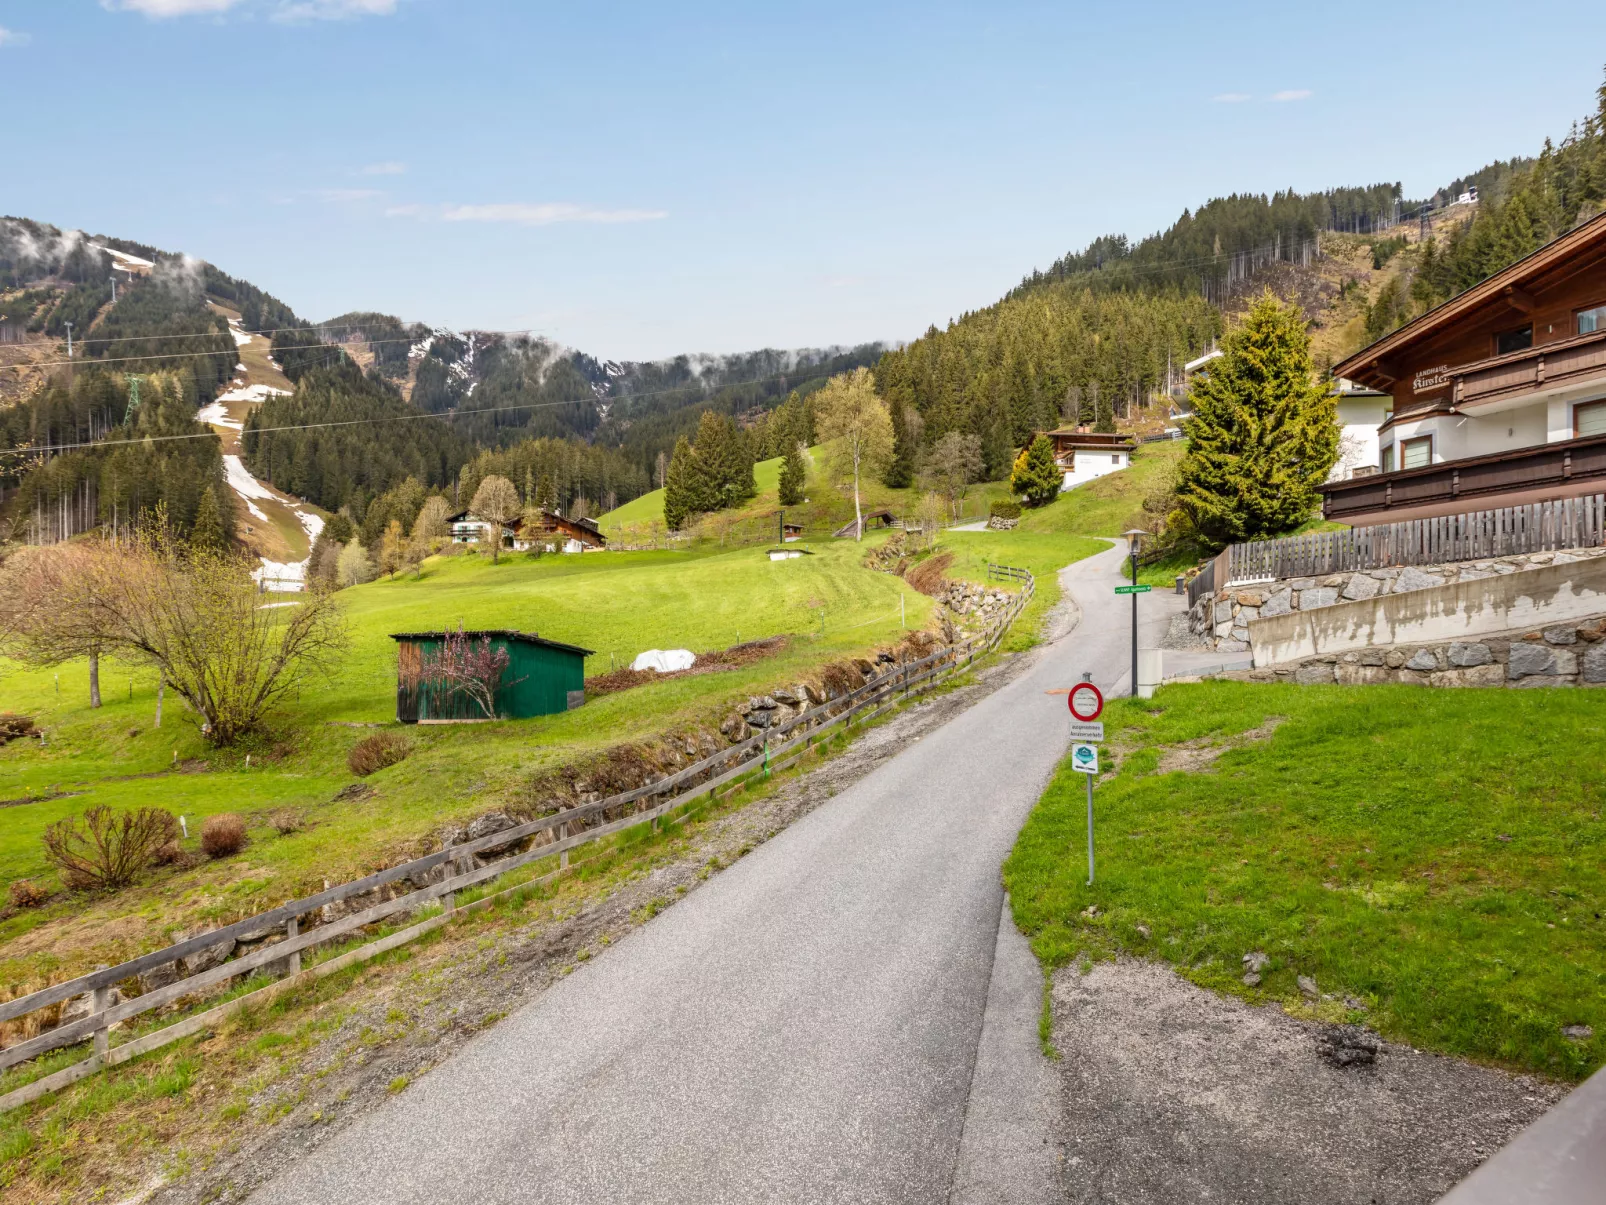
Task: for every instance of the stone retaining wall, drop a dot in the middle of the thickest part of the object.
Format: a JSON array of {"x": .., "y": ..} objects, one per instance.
[
  {"x": 1570, "y": 654},
  {"x": 1223, "y": 619}
]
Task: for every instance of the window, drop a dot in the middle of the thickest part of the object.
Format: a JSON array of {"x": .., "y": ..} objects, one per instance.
[
  {"x": 1517, "y": 340},
  {"x": 1592, "y": 320},
  {"x": 1589, "y": 419},
  {"x": 1116, "y": 459},
  {"x": 1416, "y": 453},
  {"x": 1386, "y": 461}
]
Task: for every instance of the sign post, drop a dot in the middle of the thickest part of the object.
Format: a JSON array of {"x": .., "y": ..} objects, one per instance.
[{"x": 1087, "y": 704}]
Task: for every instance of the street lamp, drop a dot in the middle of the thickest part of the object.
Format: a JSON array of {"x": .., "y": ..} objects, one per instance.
[{"x": 1133, "y": 539}]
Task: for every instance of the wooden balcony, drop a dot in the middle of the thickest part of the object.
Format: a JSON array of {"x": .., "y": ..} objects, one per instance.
[
  {"x": 1542, "y": 369},
  {"x": 1520, "y": 476}
]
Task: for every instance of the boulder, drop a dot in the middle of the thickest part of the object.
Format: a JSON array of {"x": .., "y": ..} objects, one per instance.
[
  {"x": 761, "y": 719},
  {"x": 1469, "y": 653},
  {"x": 1371, "y": 656},
  {"x": 1303, "y": 583},
  {"x": 1362, "y": 675},
  {"x": 1224, "y": 611},
  {"x": 208, "y": 957},
  {"x": 1280, "y": 603},
  {"x": 786, "y": 698},
  {"x": 1423, "y": 660},
  {"x": 1361, "y": 586},
  {"x": 1318, "y": 596},
  {"x": 1245, "y": 614},
  {"x": 1310, "y": 675},
  {"x": 1561, "y": 634},
  {"x": 1412, "y": 578},
  {"x": 1530, "y": 660},
  {"x": 158, "y": 977},
  {"x": 1476, "y": 675},
  {"x": 1593, "y": 663},
  {"x": 488, "y": 825},
  {"x": 1250, "y": 598},
  {"x": 79, "y": 1007}
]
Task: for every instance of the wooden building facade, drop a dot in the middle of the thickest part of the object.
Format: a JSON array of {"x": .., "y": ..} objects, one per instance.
[{"x": 542, "y": 677}]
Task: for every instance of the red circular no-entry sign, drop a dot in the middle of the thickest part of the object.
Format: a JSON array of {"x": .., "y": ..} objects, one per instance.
[{"x": 1085, "y": 701}]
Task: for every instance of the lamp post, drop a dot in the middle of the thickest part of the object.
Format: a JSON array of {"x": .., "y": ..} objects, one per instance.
[{"x": 1133, "y": 539}]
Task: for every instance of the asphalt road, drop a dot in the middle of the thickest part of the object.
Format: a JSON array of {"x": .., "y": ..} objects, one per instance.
[{"x": 804, "y": 1028}]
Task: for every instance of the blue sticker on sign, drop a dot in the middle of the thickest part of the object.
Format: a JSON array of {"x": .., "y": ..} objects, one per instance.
[{"x": 1085, "y": 758}]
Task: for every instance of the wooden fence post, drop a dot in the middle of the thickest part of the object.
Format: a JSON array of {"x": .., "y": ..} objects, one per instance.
[
  {"x": 563, "y": 835},
  {"x": 98, "y": 1003},
  {"x": 291, "y": 928}
]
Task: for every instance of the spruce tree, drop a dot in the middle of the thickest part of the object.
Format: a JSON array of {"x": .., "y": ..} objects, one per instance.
[
  {"x": 900, "y": 472},
  {"x": 1035, "y": 476},
  {"x": 996, "y": 450},
  {"x": 1104, "y": 410},
  {"x": 794, "y": 477},
  {"x": 1264, "y": 432},
  {"x": 206, "y": 534},
  {"x": 689, "y": 488}
]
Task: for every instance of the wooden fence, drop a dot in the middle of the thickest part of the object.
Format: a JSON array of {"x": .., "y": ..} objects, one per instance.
[
  {"x": 1509, "y": 531},
  {"x": 760, "y": 755}
]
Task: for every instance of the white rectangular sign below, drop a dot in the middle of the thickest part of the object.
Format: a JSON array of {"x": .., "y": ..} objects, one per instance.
[
  {"x": 1085, "y": 760},
  {"x": 1087, "y": 730}
]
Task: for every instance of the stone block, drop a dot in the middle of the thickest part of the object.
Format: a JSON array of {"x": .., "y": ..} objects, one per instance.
[
  {"x": 1422, "y": 660},
  {"x": 1473, "y": 575},
  {"x": 1250, "y": 598},
  {"x": 1246, "y": 613},
  {"x": 1540, "y": 680},
  {"x": 1224, "y": 610},
  {"x": 1394, "y": 658},
  {"x": 1361, "y": 586},
  {"x": 1231, "y": 645},
  {"x": 1303, "y": 583},
  {"x": 1317, "y": 596},
  {"x": 1566, "y": 662},
  {"x": 1593, "y": 665},
  {"x": 1335, "y": 581},
  {"x": 1530, "y": 660},
  {"x": 1310, "y": 675},
  {"x": 1280, "y": 603},
  {"x": 1384, "y": 575},
  {"x": 1465, "y": 653},
  {"x": 1477, "y": 675},
  {"x": 1414, "y": 677},
  {"x": 1363, "y": 675},
  {"x": 1412, "y": 578},
  {"x": 1241, "y": 635},
  {"x": 1224, "y": 628},
  {"x": 1561, "y": 634},
  {"x": 1371, "y": 656}
]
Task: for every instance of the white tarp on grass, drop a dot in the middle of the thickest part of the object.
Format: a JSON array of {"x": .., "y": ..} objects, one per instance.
[{"x": 665, "y": 661}]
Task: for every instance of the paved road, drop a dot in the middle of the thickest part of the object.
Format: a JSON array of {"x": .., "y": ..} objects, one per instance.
[{"x": 804, "y": 1028}]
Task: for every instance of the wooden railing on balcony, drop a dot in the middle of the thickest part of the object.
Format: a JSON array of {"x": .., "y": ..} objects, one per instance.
[
  {"x": 1547, "y": 366},
  {"x": 1520, "y": 469}
]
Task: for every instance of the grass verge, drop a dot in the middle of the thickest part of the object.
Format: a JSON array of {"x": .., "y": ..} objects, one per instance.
[{"x": 1434, "y": 860}]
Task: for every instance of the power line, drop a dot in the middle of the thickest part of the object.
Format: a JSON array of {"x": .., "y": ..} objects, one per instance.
[{"x": 188, "y": 355}]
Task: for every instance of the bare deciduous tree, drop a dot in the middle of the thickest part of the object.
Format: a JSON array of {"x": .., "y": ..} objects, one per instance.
[
  {"x": 469, "y": 668},
  {"x": 856, "y": 429},
  {"x": 497, "y": 502},
  {"x": 106, "y": 849},
  {"x": 950, "y": 465}
]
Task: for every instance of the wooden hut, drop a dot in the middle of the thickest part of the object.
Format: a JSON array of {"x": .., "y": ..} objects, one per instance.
[{"x": 540, "y": 677}]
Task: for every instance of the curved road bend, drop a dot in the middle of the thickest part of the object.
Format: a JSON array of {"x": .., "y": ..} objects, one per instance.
[{"x": 803, "y": 1028}]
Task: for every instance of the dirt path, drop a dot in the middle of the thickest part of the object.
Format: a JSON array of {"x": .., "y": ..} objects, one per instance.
[{"x": 1173, "y": 1093}]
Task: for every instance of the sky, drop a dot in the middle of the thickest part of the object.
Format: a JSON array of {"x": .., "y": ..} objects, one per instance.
[{"x": 640, "y": 180}]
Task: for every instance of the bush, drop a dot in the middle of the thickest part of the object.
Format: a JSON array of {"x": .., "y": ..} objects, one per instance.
[
  {"x": 285, "y": 821},
  {"x": 14, "y": 727},
  {"x": 1005, "y": 510},
  {"x": 25, "y": 893},
  {"x": 105, "y": 849},
  {"x": 222, "y": 836},
  {"x": 374, "y": 753}
]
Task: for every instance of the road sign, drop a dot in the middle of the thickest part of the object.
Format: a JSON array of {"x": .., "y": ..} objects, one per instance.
[
  {"x": 1133, "y": 589},
  {"x": 1085, "y": 759},
  {"x": 1087, "y": 730},
  {"x": 1086, "y": 701}
]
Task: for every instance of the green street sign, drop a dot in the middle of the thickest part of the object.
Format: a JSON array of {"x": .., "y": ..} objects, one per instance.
[{"x": 1133, "y": 589}]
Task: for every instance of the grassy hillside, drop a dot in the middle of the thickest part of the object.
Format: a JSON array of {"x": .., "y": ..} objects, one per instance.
[{"x": 1355, "y": 836}]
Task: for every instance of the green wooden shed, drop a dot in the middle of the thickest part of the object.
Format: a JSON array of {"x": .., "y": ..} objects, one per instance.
[{"x": 541, "y": 677}]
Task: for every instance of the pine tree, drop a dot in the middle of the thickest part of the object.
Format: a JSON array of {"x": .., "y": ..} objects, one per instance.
[
  {"x": 689, "y": 489},
  {"x": 1035, "y": 476},
  {"x": 1264, "y": 431},
  {"x": 1104, "y": 410},
  {"x": 900, "y": 472},
  {"x": 996, "y": 450},
  {"x": 207, "y": 533},
  {"x": 794, "y": 477},
  {"x": 546, "y": 493}
]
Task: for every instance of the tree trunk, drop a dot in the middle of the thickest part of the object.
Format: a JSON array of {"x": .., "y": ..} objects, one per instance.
[
  {"x": 161, "y": 688},
  {"x": 94, "y": 679},
  {"x": 858, "y": 518}
]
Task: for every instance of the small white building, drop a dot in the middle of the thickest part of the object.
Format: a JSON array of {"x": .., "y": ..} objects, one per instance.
[
  {"x": 1361, "y": 415},
  {"x": 1085, "y": 455}
]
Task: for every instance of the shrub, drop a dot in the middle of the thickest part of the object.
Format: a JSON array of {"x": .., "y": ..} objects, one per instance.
[
  {"x": 375, "y": 752},
  {"x": 286, "y": 821},
  {"x": 222, "y": 835},
  {"x": 13, "y": 726},
  {"x": 106, "y": 849},
  {"x": 25, "y": 893},
  {"x": 1005, "y": 510}
]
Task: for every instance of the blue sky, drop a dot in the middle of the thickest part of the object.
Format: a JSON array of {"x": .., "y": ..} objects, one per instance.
[{"x": 639, "y": 180}]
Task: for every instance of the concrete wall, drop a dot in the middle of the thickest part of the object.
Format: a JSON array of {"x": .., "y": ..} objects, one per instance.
[
  {"x": 1532, "y": 598},
  {"x": 1090, "y": 466}
]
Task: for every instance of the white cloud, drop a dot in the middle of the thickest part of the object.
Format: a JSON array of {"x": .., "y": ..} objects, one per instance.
[
  {"x": 388, "y": 168},
  {"x": 547, "y": 214},
  {"x": 1293, "y": 94},
  {"x": 1232, "y": 98},
  {"x": 409, "y": 210},
  {"x": 12, "y": 37},
  {"x": 158, "y": 9}
]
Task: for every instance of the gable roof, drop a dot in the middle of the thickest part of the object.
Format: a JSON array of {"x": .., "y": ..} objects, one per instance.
[
  {"x": 1508, "y": 282},
  {"x": 496, "y": 634}
]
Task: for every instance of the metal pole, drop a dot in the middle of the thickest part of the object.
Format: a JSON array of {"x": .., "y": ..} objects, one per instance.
[
  {"x": 1134, "y": 633},
  {"x": 1089, "y": 778}
]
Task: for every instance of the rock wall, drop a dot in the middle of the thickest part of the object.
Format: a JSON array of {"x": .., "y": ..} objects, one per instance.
[
  {"x": 1571, "y": 654},
  {"x": 1224, "y": 618}
]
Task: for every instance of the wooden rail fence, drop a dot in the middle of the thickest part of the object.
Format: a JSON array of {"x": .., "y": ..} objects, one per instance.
[{"x": 441, "y": 875}]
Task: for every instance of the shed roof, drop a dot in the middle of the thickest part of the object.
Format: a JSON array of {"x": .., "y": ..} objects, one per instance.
[{"x": 496, "y": 634}]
